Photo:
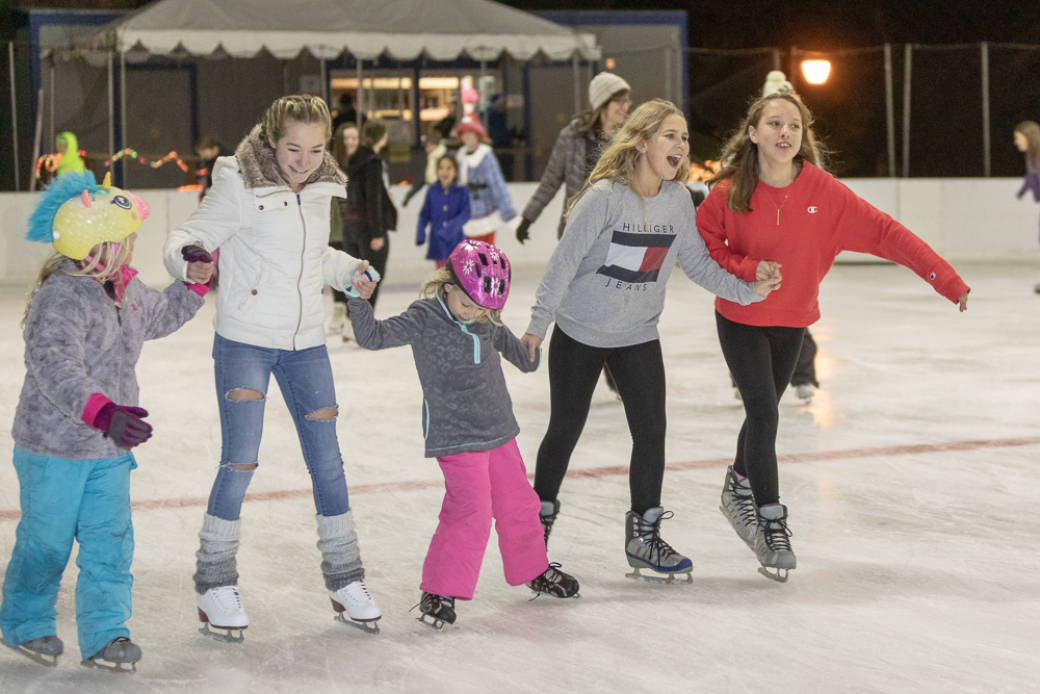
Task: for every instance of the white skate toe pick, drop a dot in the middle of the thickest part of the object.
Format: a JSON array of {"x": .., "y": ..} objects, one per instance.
[
  {"x": 360, "y": 606},
  {"x": 221, "y": 608}
]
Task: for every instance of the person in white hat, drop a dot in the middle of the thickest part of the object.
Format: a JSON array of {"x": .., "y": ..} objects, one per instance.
[{"x": 578, "y": 148}]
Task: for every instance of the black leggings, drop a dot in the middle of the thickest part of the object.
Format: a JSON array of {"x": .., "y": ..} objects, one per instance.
[
  {"x": 574, "y": 370},
  {"x": 761, "y": 359}
]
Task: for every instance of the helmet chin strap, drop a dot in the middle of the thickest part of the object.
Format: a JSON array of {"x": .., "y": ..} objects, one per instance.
[{"x": 105, "y": 272}]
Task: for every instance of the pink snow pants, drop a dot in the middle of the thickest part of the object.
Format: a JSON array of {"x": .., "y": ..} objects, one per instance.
[{"x": 480, "y": 486}]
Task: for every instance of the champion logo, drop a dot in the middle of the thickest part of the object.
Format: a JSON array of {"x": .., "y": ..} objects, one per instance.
[
  {"x": 932, "y": 277},
  {"x": 813, "y": 209}
]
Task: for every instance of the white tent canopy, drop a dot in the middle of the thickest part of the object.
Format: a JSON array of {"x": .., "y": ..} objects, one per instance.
[{"x": 401, "y": 29}]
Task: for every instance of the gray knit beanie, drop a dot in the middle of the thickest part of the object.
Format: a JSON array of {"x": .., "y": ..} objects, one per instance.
[{"x": 603, "y": 86}]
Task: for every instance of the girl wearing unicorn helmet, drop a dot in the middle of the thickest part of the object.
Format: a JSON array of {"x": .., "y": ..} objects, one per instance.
[{"x": 78, "y": 417}]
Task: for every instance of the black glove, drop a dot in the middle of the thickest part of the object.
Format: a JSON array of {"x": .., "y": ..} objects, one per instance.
[
  {"x": 196, "y": 254},
  {"x": 523, "y": 231},
  {"x": 124, "y": 425}
]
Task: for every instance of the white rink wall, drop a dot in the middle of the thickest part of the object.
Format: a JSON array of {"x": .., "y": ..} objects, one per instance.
[{"x": 962, "y": 218}]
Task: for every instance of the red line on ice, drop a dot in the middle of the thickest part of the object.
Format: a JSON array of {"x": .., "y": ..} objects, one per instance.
[{"x": 606, "y": 471}]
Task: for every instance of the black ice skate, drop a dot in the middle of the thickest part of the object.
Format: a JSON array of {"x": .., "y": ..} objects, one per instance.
[
  {"x": 43, "y": 650},
  {"x": 436, "y": 610},
  {"x": 119, "y": 655},
  {"x": 550, "y": 509},
  {"x": 555, "y": 583},
  {"x": 645, "y": 549},
  {"x": 773, "y": 543}
]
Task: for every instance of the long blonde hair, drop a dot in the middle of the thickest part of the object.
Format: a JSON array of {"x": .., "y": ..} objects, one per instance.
[
  {"x": 740, "y": 156},
  {"x": 619, "y": 160},
  {"x": 433, "y": 288},
  {"x": 93, "y": 268}
]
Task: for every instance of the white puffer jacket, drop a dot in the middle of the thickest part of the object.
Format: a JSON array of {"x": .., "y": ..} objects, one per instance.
[{"x": 274, "y": 248}]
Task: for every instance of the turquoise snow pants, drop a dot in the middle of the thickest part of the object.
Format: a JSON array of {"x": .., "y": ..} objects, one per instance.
[{"x": 64, "y": 500}]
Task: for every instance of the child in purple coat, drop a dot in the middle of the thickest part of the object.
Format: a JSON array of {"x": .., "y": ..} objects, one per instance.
[{"x": 446, "y": 209}]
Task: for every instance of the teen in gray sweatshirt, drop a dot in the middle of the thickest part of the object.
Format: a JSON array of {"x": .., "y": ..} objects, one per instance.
[{"x": 604, "y": 287}]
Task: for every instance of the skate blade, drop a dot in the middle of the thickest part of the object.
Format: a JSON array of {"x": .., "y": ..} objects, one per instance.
[
  {"x": 665, "y": 579},
  {"x": 536, "y": 593},
  {"x": 432, "y": 622},
  {"x": 368, "y": 626},
  {"x": 40, "y": 658},
  {"x": 226, "y": 637},
  {"x": 114, "y": 668},
  {"x": 778, "y": 575}
]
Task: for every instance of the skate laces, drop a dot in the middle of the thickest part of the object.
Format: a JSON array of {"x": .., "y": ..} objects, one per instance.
[
  {"x": 432, "y": 603},
  {"x": 551, "y": 576},
  {"x": 355, "y": 591},
  {"x": 228, "y": 599},
  {"x": 650, "y": 534},
  {"x": 742, "y": 499},
  {"x": 776, "y": 533}
]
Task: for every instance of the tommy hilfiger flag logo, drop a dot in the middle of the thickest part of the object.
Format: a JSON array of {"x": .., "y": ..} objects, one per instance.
[{"x": 636, "y": 257}]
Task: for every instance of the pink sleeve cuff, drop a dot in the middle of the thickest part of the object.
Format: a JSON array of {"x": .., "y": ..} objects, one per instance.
[
  {"x": 94, "y": 403},
  {"x": 199, "y": 289}
]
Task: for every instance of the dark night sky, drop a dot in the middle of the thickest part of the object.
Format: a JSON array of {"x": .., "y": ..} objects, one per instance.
[{"x": 830, "y": 24}]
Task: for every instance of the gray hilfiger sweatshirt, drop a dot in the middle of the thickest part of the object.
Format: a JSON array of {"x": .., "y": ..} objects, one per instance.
[
  {"x": 466, "y": 405},
  {"x": 605, "y": 282}
]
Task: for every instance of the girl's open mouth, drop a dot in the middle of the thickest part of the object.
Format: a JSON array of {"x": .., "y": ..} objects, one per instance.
[{"x": 674, "y": 160}]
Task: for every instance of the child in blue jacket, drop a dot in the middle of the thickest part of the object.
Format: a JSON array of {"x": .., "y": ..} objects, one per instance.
[
  {"x": 78, "y": 418},
  {"x": 446, "y": 210}
]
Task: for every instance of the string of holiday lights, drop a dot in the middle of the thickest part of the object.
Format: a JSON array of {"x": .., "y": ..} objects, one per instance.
[{"x": 49, "y": 162}]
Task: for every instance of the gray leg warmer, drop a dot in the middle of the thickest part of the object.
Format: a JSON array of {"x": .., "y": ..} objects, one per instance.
[
  {"x": 341, "y": 558},
  {"x": 215, "y": 561}
]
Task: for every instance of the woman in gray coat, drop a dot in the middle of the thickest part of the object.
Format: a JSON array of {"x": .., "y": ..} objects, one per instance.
[{"x": 578, "y": 148}]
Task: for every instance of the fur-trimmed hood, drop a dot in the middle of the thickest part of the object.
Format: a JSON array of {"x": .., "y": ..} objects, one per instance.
[{"x": 256, "y": 161}]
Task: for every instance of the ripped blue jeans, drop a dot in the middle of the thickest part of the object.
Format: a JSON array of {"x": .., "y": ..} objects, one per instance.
[{"x": 305, "y": 379}]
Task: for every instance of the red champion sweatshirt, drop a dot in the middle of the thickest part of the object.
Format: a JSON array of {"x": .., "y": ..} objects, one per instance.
[{"x": 804, "y": 226}]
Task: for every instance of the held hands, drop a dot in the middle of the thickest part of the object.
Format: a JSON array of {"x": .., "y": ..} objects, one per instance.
[
  {"x": 767, "y": 277},
  {"x": 523, "y": 231},
  {"x": 363, "y": 283},
  {"x": 533, "y": 342},
  {"x": 200, "y": 263},
  {"x": 124, "y": 425},
  {"x": 377, "y": 243}
]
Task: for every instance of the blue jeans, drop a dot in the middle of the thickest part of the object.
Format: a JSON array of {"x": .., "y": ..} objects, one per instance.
[
  {"x": 305, "y": 379},
  {"x": 64, "y": 500}
]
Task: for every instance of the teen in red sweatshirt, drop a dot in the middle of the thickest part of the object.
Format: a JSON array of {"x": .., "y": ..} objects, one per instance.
[{"x": 772, "y": 203}]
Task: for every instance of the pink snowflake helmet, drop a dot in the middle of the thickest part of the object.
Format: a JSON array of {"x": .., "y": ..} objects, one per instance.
[{"x": 482, "y": 271}]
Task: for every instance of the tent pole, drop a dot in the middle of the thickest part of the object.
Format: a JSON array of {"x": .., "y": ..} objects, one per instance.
[
  {"x": 890, "y": 113},
  {"x": 36, "y": 139},
  {"x": 360, "y": 105},
  {"x": 324, "y": 81},
  {"x": 54, "y": 133},
  {"x": 577, "y": 82},
  {"x": 14, "y": 116},
  {"x": 111, "y": 112},
  {"x": 122, "y": 119},
  {"x": 416, "y": 103},
  {"x": 985, "y": 111},
  {"x": 908, "y": 51}
]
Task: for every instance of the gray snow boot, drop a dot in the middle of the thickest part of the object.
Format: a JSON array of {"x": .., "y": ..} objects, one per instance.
[
  {"x": 738, "y": 505},
  {"x": 43, "y": 650},
  {"x": 773, "y": 543},
  {"x": 119, "y": 655}
]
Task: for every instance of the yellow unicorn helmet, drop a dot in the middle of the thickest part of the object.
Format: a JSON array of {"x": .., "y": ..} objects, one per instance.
[{"x": 75, "y": 214}]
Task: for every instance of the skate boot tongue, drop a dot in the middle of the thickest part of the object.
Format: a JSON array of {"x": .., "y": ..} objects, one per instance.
[
  {"x": 652, "y": 514},
  {"x": 773, "y": 512}
]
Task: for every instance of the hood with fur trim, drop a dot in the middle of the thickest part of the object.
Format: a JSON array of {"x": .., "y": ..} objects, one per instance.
[{"x": 256, "y": 161}]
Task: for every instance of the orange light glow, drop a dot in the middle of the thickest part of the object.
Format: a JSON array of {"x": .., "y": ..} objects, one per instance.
[{"x": 816, "y": 71}]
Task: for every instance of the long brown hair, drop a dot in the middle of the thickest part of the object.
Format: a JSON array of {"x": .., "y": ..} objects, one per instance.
[
  {"x": 740, "y": 156},
  {"x": 592, "y": 121},
  {"x": 1032, "y": 132},
  {"x": 339, "y": 150},
  {"x": 619, "y": 160}
]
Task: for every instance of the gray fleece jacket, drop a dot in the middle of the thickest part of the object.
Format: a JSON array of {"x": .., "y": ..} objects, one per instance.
[
  {"x": 466, "y": 405},
  {"x": 77, "y": 344},
  {"x": 605, "y": 282}
]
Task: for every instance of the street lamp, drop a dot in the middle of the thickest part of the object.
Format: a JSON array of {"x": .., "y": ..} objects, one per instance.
[{"x": 816, "y": 71}]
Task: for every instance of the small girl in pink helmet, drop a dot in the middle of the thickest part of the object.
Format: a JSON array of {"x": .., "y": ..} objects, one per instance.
[{"x": 468, "y": 423}]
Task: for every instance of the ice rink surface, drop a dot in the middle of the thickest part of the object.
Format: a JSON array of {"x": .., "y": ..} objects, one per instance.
[{"x": 910, "y": 480}]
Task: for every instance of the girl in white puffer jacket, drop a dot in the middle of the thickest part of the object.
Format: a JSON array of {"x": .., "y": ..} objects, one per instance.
[{"x": 268, "y": 214}]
